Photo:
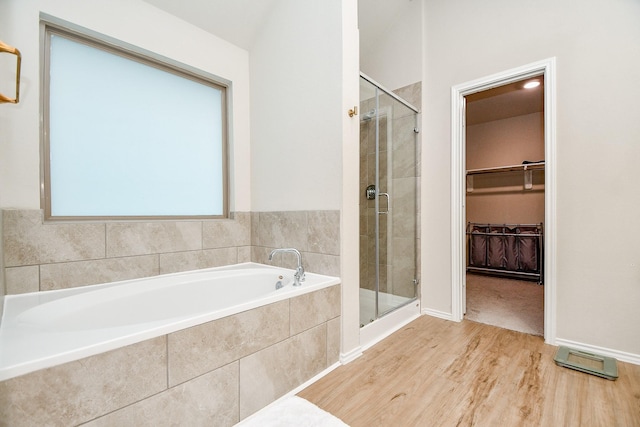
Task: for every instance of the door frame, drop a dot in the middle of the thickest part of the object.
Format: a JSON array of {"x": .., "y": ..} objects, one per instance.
[{"x": 546, "y": 68}]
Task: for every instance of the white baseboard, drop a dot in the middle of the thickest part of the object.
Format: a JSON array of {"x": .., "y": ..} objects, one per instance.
[
  {"x": 619, "y": 355},
  {"x": 439, "y": 314},
  {"x": 350, "y": 356}
]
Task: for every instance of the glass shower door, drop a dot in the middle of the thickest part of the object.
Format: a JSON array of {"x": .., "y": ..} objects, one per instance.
[
  {"x": 388, "y": 230},
  {"x": 397, "y": 208}
]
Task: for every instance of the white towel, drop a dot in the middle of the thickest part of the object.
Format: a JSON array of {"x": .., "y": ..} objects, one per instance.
[{"x": 292, "y": 411}]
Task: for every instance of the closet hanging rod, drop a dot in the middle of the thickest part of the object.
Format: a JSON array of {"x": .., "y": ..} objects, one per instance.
[
  {"x": 484, "y": 224},
  {"x": 484, "y": 233},
  {"x": 523, "y": 167}
]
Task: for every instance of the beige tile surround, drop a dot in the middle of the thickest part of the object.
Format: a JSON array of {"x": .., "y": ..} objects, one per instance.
[
  {"x": 314, "y": 233},
  {"x": 212, "y": 374},
  {"x": 216, "y": 373},
  {"x": 41, "y": 256}
]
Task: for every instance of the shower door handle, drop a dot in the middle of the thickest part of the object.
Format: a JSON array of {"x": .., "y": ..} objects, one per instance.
[{"x": 388, "y": 203}]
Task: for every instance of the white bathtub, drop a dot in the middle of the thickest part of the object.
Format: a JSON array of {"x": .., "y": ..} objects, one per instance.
[{"x": 44, "y": 329}]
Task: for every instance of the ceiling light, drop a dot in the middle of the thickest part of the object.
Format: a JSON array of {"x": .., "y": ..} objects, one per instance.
[{"x": 531, "y": 84}]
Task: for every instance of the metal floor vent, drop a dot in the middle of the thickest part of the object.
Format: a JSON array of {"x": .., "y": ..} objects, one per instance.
[{"x": 589, "y": 363}]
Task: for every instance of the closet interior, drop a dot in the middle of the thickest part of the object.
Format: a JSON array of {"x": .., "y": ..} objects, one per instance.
[{"x": 505, "y": 206}]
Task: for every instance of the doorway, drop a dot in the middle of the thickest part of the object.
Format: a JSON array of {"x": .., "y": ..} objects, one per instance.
[
  {"x": 546, "y": 71},
  {"x": 504, "y": 206}
]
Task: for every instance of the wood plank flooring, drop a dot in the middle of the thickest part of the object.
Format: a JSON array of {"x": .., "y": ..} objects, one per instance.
[{"x": 439, "y": 373}]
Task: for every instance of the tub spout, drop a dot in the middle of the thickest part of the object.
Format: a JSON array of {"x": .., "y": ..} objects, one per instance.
[{"x": 298, "y": 276}]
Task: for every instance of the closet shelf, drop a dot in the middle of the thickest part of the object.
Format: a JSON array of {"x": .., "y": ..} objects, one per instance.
[
  {"x": 527, "y": 168},
  {"x": 512, "y": 168}
]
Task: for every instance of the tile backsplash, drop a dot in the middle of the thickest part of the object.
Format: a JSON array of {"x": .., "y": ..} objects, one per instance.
[{"x": 40, "y": 256}]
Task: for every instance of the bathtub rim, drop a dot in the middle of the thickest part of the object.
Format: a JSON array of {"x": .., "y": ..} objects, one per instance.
[{"x": 36, "y": 364}]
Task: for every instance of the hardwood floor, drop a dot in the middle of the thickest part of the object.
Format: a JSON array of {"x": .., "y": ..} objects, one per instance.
[{"x": 439, "y": 373}]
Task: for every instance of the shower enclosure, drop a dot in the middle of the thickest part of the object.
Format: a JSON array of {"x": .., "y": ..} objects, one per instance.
[{"x": 389, "y": 176}]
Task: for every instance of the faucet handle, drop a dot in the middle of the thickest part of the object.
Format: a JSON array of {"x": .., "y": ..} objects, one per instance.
[{"x": 301, "y": 273}]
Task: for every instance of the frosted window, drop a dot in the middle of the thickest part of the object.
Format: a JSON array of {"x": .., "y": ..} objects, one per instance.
[{"x": 127, "y": 138}]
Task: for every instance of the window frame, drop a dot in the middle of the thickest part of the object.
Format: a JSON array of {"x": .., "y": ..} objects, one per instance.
[{"x": 52, "y": 26}]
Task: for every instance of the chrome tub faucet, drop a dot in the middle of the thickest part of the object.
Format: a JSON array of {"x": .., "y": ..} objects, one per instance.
[{"x": 298, "y": 276}]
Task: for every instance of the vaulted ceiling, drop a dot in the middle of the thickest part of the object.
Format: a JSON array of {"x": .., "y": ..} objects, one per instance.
[
  {"x": 236, "y": 21},
  {"x": 239, "y": 22}
]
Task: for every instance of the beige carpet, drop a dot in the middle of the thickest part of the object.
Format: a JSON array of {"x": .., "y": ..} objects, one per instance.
[{"x": 510, "y": 304}]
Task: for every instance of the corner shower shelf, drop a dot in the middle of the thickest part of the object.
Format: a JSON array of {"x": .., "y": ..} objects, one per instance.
[{"x": 527, "y": 168}]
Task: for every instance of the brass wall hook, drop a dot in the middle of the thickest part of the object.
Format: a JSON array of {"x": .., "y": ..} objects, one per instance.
[
  {"x": 5, "y": 48},
  {"x": 353, "y": 111}
]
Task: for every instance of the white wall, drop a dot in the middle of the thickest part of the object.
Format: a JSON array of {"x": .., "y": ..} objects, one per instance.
[
  {"x": 296, "y": 107},
  {"x": 134, "y": 22},
  {"x": 597, "y": 46},
  {"x": 350, "y": 213},
  {"x": 393, "y": 56},
  {"x": 304, "y": 78}
]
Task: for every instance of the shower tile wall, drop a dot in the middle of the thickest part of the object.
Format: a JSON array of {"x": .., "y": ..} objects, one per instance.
[
  {"x": 367, "y": 207},
  {"x": 42, "y": 256},
  {"x": 413, "y": 95},
  {"x": 406, "y": 178}
]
